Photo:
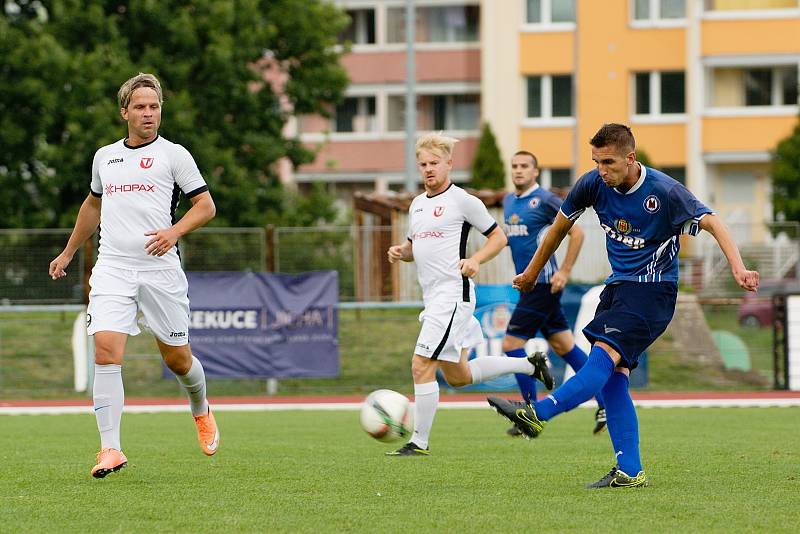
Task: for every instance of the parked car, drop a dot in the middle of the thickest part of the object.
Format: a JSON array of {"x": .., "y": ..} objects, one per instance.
[{"x": 755, "y": 310}]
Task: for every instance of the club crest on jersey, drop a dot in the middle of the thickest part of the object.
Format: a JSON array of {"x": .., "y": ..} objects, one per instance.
[
  {"x": 438, "y": 210},
  {"x": 652, "y": 204},
  {"x": 534, "y": 203},
  {"x": 146, "y": 163},
  {"x": 623, "y": 226}
]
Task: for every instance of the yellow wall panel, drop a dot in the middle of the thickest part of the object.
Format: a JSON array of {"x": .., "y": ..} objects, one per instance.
[
  {"x": 750, "y": 36},
  {"x": 746, "y": 134},
  {"x": 546, "y": 53},
  {"x": 728, "y": 5},
  {"x": 665, "y": 144},
  {"x": 552, "y": 146}
]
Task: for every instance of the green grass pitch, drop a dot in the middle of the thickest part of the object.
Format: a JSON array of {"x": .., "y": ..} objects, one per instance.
[{"x": 710, "y": 470}]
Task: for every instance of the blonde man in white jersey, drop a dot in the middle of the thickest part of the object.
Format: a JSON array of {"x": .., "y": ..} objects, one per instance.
[
  {"x": 136, "y": 183},
  {"x": 439, "y": 223}
]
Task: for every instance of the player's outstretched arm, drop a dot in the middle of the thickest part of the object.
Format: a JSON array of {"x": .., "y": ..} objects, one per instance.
[
  {"x": 713, "y": 225},
  {"x": 561, "y": 276},
  {"x": 202, "y": 211},
  {"x": 402, "y": 252},
  {"x": 85, "y": 225},
  {"x": 495, "y": 242},
  {"x": 552, "y": 239}
]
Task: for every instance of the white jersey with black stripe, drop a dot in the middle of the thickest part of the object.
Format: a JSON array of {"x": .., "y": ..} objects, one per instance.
[
  {"x": 438, "y": 229},
  {"x": 140, "y": 187}
]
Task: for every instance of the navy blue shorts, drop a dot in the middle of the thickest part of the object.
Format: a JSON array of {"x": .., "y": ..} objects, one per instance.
[
  {"x": 537, "y": 310},
  {"x": 631, "y": 315}
]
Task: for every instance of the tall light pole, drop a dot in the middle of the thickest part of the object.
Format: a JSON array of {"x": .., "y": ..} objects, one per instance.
[{"x": 411, "y": 99}]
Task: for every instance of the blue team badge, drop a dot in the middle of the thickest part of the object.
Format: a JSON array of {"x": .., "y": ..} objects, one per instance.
[
  {"x": 652, "y": 204},
  {"x": 534, "y": 203}
]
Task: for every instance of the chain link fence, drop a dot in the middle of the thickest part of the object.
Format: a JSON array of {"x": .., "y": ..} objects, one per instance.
[{"x": 25, "y": 256}]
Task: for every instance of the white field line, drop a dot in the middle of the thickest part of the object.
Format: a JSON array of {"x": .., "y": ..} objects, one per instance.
[{"x": 449, "y": 405}]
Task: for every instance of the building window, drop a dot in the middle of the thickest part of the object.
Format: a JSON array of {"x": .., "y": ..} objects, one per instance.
[
  {"x": 436, "y": 24},
  {"x": 654, "y": 10},
  {"x": 355, "y": 115},
  {"x": 550, "y": 11},
  {"x": 659, "y": 93},
  {"x": 561, "y": 178},
  {"x": 754, "y": 86},
  {"x": 437, "y": 112},
  {"x": 678, "y": 173},
  {"x": 361, "y": 29},
  {"x": 550, "y": 96}
]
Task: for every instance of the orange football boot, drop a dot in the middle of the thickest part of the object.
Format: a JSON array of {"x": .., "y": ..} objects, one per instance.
[
  {"x": 108, "y": 461},
  {"x": 207, "y": 433}
]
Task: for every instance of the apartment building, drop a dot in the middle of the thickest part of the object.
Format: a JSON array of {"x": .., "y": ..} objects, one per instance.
[
  {"x": 363, "y": 145},
  {"x": 709, "y": 87}
]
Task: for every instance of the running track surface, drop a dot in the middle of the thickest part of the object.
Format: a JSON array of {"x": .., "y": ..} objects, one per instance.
[{"x": 715, "y": 399}]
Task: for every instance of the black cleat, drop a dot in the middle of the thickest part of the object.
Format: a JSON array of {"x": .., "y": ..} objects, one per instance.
[
  {"x": 521, "y": 414},
  {"x": 619, "y": 479},
  {"x": 599, "y": 420},
  {"x": 514, "y": 431},
  {"x": 540, "y": 370},
  {"x": 409, "y": 449}
]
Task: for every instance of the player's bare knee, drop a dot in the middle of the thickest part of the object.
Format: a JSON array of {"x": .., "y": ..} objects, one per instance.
[
  {"x": 512, "y": 343},
  {"x": 178, "y": 359},
  {"x": 103, "y": 356},
  {"x": 423, "y": 369}
]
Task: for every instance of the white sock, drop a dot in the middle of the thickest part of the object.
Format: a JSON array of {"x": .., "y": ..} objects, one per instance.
[
  {"x": 109, "y": 397},
  {"x": 426, "y": 400},
  {"x": 490, "y": 367},
  {"x": 194, "y": 382}
]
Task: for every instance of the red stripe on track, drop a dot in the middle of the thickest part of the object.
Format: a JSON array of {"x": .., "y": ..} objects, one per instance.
[{"x": 333, "y": 399}]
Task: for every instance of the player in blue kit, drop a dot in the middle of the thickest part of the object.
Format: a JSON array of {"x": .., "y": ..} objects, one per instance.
[
  {"x": 643, "y": 212},
  {"x": 528, "y": 214}
]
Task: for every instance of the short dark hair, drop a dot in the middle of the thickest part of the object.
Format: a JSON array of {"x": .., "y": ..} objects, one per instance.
[
  {"x": 526, "y": 153},
  {"x": 617, "y": 135}
]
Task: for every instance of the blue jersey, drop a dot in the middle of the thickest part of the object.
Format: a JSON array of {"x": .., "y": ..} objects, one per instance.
[
  {"x": 642, "y": 225},
  {"x": 527, "y": 218}
]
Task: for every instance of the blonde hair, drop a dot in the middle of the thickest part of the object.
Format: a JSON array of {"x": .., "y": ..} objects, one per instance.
[
  {"x": 140, "y": 80},
  {"x": 438, "y": 142}
]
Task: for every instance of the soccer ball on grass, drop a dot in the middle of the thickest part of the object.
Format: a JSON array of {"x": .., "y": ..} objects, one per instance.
[{"x": 386, "y": 415}]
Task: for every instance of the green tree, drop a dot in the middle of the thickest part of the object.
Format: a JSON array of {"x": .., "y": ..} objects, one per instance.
[
  {"x": 643, "y": 158},
  {"x": 786, "y": 177},
  {"x": 488, "y": 170},
  {"x": 62, "y": 62}
]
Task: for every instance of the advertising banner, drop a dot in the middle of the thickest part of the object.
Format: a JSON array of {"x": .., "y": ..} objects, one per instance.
[{"x": 265, "y": 325}]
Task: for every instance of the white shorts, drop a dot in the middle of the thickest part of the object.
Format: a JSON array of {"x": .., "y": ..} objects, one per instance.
[
  {"x": 117, "y": 295},
  {"x": 447, "y": 328}
]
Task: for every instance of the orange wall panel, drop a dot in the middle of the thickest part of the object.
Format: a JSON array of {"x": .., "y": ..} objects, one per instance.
[
  {"x": 665, "y": 144},
  {"x": 747, "y": 134},
  {"x": 750, "y": 36},
  {"x": 546, "y": 53},
  {"x": 552, "y": 146}
]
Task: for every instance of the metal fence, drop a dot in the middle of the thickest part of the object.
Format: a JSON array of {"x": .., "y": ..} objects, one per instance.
[
  {"x": 25, "y": 256},
  {"x": 358, "y": 253}
]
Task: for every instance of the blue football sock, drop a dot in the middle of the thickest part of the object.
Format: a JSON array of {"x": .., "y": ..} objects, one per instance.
[
  {"x": 576, "y": 358},
  {"x": 578, "y": 389},
  {"x": 623, "y": 425},
  {"x": 527, "y": 385}
]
